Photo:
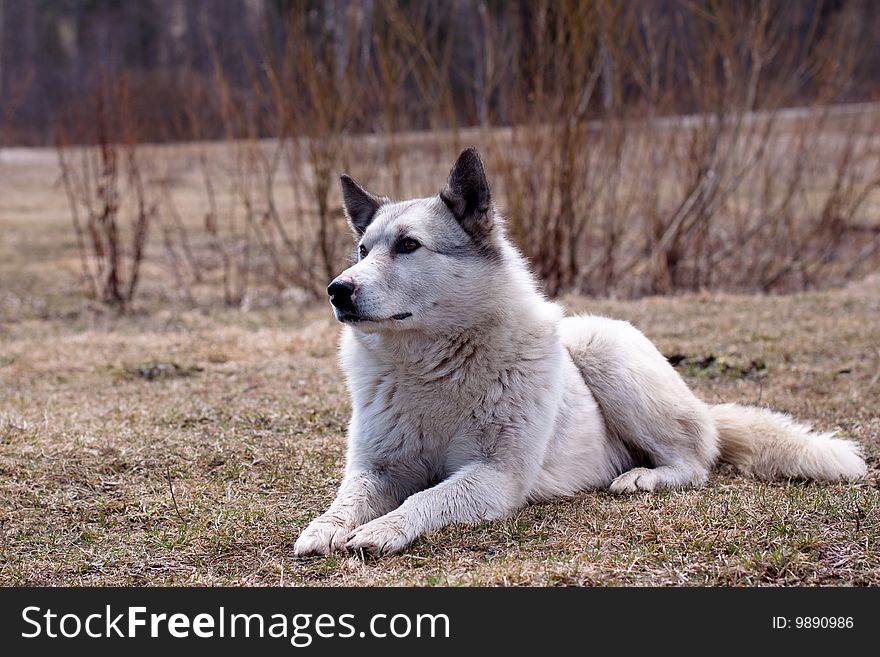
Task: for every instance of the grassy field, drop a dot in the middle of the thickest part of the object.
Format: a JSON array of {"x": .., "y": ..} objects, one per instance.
[{"x": 182, "y": 446}]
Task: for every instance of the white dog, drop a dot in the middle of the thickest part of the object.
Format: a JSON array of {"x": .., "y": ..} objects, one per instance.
[{"x": 473, "y": 396}]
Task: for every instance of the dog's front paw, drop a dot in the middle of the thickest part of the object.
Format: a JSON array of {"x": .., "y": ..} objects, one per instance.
[
  {"x": 637, "y": 479},
  {"x": 384, "y": 535},
  {"x": 324, "y": 535}
]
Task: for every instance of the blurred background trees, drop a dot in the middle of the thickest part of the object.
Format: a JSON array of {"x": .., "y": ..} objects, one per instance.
[{"x": 449, "y": 62}]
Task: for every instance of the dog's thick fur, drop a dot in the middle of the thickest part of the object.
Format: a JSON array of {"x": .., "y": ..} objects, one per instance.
[{"x": 473, "y": 396}]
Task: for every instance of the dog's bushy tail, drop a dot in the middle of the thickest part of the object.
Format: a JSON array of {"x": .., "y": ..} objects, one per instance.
[{"x": 771, "y": 445}]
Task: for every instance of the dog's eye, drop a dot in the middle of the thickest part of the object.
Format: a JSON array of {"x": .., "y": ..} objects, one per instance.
[
  {"x": 362, "y": 250},
  {"x": 408, "y": 245}
]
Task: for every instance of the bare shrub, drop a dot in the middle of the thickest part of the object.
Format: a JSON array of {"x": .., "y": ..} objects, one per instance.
[
  {"x": 637, "y": 148},
  {"x": 111, "y": 204},
  {"x": 612, "y": 190}
]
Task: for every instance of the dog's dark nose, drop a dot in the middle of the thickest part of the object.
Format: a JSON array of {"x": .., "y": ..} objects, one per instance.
[{"x": 340, "y": 292}]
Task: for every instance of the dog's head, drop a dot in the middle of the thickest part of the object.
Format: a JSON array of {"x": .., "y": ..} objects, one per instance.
[{"x": 422, "y": 264}]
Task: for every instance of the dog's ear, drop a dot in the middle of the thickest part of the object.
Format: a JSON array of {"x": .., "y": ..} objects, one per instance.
[
  {"x": 360, "y": 206},
  {"x": 467, "y": 194}
]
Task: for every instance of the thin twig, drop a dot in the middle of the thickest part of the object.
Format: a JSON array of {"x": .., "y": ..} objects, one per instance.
[{"x": 173, "y": 496}]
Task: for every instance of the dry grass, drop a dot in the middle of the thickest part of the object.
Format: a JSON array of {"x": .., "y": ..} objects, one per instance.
[{"x": 117, "y": 469}]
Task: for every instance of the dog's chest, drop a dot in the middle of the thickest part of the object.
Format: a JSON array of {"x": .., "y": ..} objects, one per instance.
[{"x": 414, "y": 424}]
